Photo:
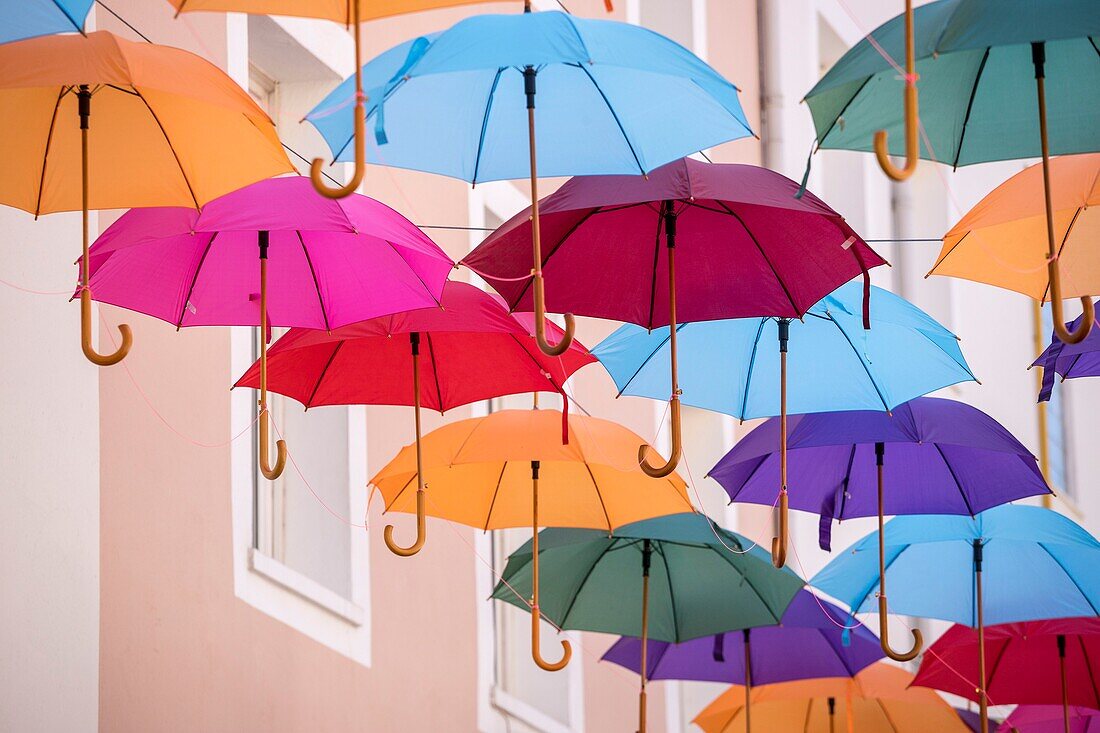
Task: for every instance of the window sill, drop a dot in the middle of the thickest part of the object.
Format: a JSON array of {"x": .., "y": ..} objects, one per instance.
[
  {"x": 305, "y": 587},
  {"x": 527, "y": 714}
]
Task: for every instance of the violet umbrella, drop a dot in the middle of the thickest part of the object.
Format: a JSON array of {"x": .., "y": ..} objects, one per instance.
[
  {"x": 1068, "y": 361},
  {"x": 362, "y": 364},
  {"x": 946, "y": 457},
  {"x": 612, "y": 242},
  {"x": 1035, "y": 662},
  {"x": 813, "y": 639},
  {"x": 333, "y": 262},
  {"x": 1050, "y": 719}
]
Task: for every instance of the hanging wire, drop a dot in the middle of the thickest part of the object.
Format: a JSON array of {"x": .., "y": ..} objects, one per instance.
[{"x": 123, "y": 21}]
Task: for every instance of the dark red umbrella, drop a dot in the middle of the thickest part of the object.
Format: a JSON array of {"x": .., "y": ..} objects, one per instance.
[{"x": 472, "y": 350}]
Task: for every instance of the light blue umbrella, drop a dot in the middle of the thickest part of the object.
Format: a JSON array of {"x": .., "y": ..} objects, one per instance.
[
  {"x": 21, "y": 19},
  {"x": 1005, "y": 565},
  {"x": 734, "y": 367},
  {"x": 612, "y": 98}
]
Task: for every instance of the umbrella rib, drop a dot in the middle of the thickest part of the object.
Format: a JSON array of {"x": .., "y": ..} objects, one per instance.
[
  {"x": 866, "y": 368},
  {"x": 885, "y": 714},
  {"x": 587, "y": 575},
  {"x": 324, "y": 371},
  {"x": 1073, "y": 580},
  {"x": 46, "y": 152},
  {"x": 763, "y": 254},
  {"x": 179, "y": 164},
  {"x": 76, "y": 26},
  {"x": 493, "y": 502},
  {"x": 993, "y": 669},
  {"x": 554, "y": 249},
  {"x": 671, "y": 593},
  {"x": 599, "y": 495},
  {"x": 940, "y": 260},
  {"x": 809, "y": 710},
  {"x": 1062, "y": 246},
  {"x": 485, "y": 123},
  {"x": 1070, "y": 368},
  {"x": 408, "y": 483},
  {"x": 614, "y": 116},
  {"x": 313, "y": 275},
  {"x": 970, "y": 106},
  {"x": 194, "y": 279},
  {"x": 679, "y": 327},
  {"x": 653, "y": 278},
  {"x": 1088, "y": 666},
  {"x": 749, "y": 371},
  {"x": 744, "y": 576},
  {"x": 955, "y": 478},
  {"x": 435, "y": 370},
  {"x": 763, "y": 459}
]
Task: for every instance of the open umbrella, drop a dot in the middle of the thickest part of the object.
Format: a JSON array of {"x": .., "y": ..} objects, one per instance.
[
  {"x": 511, "y": 469},
  {"x": 673, "y": 578},
  {"x": 171, "y": 130},
  {"x": 945, "y": 457},
  {"x": 362, "y": 363},
  {"x": 1034, "y": 662},
  {"x": 1006, "y": 565},
  {"x": 332, "y": 263},
  {"x": 1050, "y": 719},
  {"x": 836, "y": 364},
  {"x": 348, "y": 12},
  {"x": 613, "y": 98},
  {"x": 31, "y": 18},
  {"x": 717, "y": 223},
  {"x": 877, "y": 700},
  {"x": 813, "y": 639},
  {"x": 1069, "y": 361},
  {"x": 982, "y": 68}
]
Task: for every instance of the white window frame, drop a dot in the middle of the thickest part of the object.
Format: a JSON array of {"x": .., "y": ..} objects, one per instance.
[{"x": 495, "y": 706}]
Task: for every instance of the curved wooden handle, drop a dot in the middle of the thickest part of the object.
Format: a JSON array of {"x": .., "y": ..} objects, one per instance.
[
  {"x": 566, "y": 647},
  {"x": 86, "y": 335},
  {"x": 316, "y": 169},
  {"x": 1088, "y": 316},
  {"x": 884, "y": 636},
  {"x": 677, "y": 445},
  {"x": 912, "y": 119},
  {"x": 421, "y": 531},
  {"x": 779, "y": 544},
  {"x": 540, "y": 324},
  {"x": 270, "y": 472}
]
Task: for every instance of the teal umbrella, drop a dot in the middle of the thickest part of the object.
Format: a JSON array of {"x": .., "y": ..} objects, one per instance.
[
  {"x": 672, "y": 578},
  {"x": 982, "y": 68}
]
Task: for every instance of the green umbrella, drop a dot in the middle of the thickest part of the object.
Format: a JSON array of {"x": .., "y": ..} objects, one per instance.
[
  {"x": 982, "y": 68},
  {"x": 672, "y": 578}
]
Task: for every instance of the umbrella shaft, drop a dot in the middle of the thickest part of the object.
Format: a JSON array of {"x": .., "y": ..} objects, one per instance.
[
  {"x": 84, "y": 106},
  {"x": 748, "y": 684},
  {"x": 983, "y": 703}
]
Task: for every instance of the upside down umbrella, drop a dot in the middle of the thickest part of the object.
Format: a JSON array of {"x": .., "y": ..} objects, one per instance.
[
  {"x": 970, "y": 571},
  {"x": 813, "y": 639},
  {"x": 331, "y": 263},
  {"x": 1069, "y": 361},
  {"x": 31, "y": 18},
  {"x": 982, "y": 69},
  {"x": 945, "y": 457},
  {"x": 675, "y": 240},
  {"x": 673, "y": 578},
  {"x": 171, "y": 130},
  {"x": 348, "y": 12},
  {"x": 836, "y": 364},
  {"x": 612, "y": 98},
  {"x": 1035, "y": 662},
  {"x": 1050, "y": 719},
  {"x": 363, "y": 363},
  {"x": 877, "y": 700},
  {"x": 511, "y": 469}
]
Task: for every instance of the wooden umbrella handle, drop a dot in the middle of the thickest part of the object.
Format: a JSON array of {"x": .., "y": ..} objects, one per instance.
[
  {"x": 912, "y": 119},
  {"x": 86, "y": 335},
  {"x": 316, "y": 173}
]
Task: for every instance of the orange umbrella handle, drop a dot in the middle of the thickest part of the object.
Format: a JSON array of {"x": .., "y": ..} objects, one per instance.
[
  {"x": 86, "y": 335},
  {"x": 669, "y": 217},
  {"x": 779, "y": 544},
  {"x": 421, "y": 529},
  {"x": 536, "y": 652},
  {"x": 912, "y": 121},
  {"x": 677, "y": 445},
  {"x": 884, "y": 636},
  {"x": 315, "y": 170},
  {"x": 270, "y": 472},
  {"x": 883, "y": 620}
]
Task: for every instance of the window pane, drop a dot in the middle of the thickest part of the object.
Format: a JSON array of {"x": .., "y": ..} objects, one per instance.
[{"x": 671, "y": 18}]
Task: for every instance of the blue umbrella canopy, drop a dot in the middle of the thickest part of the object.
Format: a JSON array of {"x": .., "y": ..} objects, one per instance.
[
  {"x": 1036, "y": 564},
  {"x": 611, "y": 98},
  {"x": 732, "y": 366},
  {"x": 32, "y": 18}
]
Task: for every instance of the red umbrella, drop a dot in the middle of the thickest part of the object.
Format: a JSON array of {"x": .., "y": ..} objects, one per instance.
[
  {"x": 738, "y": 241},
  {"x": 473, "y": 350},
  {"x": 1054, "y": 662}
]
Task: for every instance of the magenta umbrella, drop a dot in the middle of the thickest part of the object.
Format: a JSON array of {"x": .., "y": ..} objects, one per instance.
[
  {"x": 330, "y": 262},
  {"x": 1051, "y": 719},
  {"x": 747, "y": 247}
]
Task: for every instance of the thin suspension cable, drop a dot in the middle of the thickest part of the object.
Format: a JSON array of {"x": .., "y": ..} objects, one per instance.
[{"x": 124, "y": 21}]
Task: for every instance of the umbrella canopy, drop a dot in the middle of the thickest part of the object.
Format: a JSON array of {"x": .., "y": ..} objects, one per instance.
[
  {"x": 1025, "y": 662},
  {"x": 1003, "y": 240},
  {"x": 877, "y": 700},
  {"x": 976, "y": 82},
  {"x": 1050, "y": 719},
  {"x": 811, "y": 640},
  {"x": 30, "y": 18},
  {"x": 1069, "y": 361},
  {"x": 365, "y": 362},
  {"x": 834, "y": 364},
  {"x": 730, "y": 222},
  {"x": 341, "y": 11}
]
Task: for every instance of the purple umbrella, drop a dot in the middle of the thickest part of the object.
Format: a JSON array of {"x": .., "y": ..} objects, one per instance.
[
  {"x": 807, "y": 644},
  {"x": 1069, "y": 361},
  {"x": 945, "y": 457},
  {"x": 1050, "y": 719}
]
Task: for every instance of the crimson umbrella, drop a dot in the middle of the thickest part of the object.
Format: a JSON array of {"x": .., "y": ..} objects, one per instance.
[
  {"x": 473, "y": 350},
  {"x": 1036, "y": 662},
  {"x": 1051, "y": 719},
  {"x": 748, "y": 247}
]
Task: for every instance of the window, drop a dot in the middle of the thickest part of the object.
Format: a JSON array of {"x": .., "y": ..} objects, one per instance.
[{"x": 1057, "y": 473}]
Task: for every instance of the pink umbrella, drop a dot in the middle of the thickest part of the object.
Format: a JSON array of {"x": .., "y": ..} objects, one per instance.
[
  {"x": 748, "y": 247},
  {"x": 1051, "y": 719},
  {"x": 332, "y": 262},
  {"x": 362, "y": 363}
]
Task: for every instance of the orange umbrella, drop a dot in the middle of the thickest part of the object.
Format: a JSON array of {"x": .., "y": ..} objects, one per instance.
[
  {"x": 347, "y": 12},
  {"x": 1003, "y": 240},
  {"x": 171, "y": 129},
  {"x": 876, "y": 700},
  {"x": 487, "y": 472}
]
